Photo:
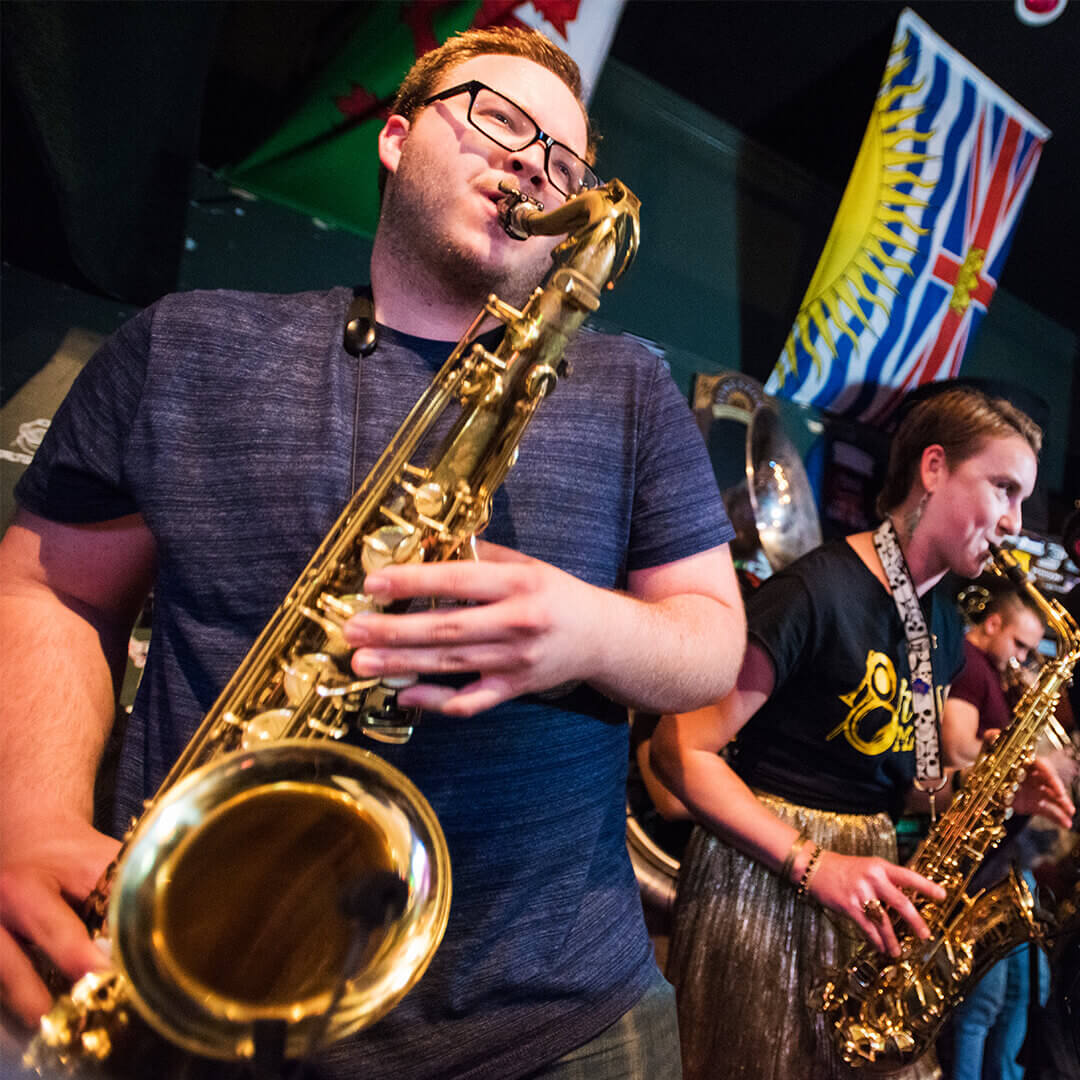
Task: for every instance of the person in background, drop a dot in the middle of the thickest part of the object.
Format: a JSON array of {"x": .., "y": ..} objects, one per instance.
[
  {"x": 1008, "y": 628},
  {"x": 798, "y": 827}
]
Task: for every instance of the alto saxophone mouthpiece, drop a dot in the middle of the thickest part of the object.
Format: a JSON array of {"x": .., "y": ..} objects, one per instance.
[
  {"x": 1008, "y": 564},
  {"x": 515, "y": 211}
]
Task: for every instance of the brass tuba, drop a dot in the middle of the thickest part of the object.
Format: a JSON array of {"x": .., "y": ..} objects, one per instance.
[
  {"x": 884, "y": 1013},
  {"x": 284, "y": 889}
]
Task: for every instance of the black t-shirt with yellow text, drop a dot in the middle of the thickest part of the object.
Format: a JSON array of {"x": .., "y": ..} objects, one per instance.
[{"x": 837, "y": 733}]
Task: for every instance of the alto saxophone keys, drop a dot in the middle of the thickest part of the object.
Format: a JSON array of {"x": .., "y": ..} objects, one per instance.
[
  {"x": 334, "y": 644},
  {"x": 346, "y": 606},
  {"x": 266, "y": 727},
  {"x": 407, "y": 549},
  {"x": 540, "y": 380},
  {"x": 384, "y": 546},
  {"x": 502, "y": 311},
  {"x": 304, "y": 672},
  {"x": 429, "y": 498}
]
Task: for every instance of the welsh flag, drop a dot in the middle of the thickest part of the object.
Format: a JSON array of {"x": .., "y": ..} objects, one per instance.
[
  {"x": 919, "y": 241},
  {"x": 323, "y": 161}
]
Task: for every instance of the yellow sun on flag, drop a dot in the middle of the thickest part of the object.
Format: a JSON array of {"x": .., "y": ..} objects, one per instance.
[{"x": 854, "y": 253}]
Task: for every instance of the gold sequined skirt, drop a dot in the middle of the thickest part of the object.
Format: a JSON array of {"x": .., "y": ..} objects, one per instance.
[{"x": 745, "y": 953}]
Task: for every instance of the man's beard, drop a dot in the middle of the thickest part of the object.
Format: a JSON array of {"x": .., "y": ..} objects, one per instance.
[{"x": 414, "y": 221}]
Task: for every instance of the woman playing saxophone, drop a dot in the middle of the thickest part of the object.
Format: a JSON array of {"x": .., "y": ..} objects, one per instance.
[{"x": 799, "y": 822}]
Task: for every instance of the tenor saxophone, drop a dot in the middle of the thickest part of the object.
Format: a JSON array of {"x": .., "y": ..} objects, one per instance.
[
  {"x": 883, "y": 1013},
  {"x": 284, "y": 889}
]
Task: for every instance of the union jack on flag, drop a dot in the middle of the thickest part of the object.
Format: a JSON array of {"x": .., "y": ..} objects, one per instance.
[{"x": 918, "y": 244}]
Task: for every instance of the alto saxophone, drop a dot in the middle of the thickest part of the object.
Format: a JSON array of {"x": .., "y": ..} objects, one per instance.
[
  {"x": 284, "y": 889},
  {"x": 883, "y": 1013}
]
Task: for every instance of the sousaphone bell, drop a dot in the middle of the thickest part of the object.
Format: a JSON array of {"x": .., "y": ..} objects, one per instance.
[{"x": 775, "y": 518}]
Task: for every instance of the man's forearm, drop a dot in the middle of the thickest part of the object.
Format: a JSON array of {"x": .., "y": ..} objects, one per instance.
[
  {"x": 670, "y": 655},
  {"x": 57, "y": 708}
]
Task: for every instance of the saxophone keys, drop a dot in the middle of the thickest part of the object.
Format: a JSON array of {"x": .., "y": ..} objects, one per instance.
[
  {"x": 540, "y": 380},
  {"x": 378, "y": 548},
  {"x": 341, "y": 692},
  {"x": 502, "y": 311},
  {"x": 304, "y": 672},
  {"x": 902, "y": 1041},
  {"x": 266, "y": 727},
  {"x": 429, "y": 498},
  {"x": 391, "y": 734},
  {"x": 345, "y": 607},
  {"x": 390, "y": 544},
  {"x": 408, "y": 549}
]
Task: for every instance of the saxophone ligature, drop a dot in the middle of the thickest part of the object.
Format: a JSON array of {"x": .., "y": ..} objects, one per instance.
[
  {"x": 270, "y": 827},
  {"x": 884, "y": 1013}
]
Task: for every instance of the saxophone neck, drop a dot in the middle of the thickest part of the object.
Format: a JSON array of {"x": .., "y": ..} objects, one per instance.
[
  {"x": 1005, "y": 565},
  {"x": 605, "y": 220}
]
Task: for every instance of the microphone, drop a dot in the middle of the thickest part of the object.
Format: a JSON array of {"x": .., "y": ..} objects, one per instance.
[{"x": 370, "y": 901}]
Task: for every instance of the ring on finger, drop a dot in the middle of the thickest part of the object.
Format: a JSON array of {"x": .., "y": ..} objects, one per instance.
[{"x": 874, "y": 910}]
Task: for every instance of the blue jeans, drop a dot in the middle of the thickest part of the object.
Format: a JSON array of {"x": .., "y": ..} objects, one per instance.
[
  {"x": 643, "y": 1044},
  {"x": 990, "y": 1025}
]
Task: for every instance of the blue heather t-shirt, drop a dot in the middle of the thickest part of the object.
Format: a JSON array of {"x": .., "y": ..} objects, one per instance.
[{"x": 236, "y": 424}]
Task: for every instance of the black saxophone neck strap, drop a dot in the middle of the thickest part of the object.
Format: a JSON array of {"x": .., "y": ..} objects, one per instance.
[{"x": 361, "y": 335}]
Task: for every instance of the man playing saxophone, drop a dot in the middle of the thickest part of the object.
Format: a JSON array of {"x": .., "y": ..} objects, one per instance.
[{"x": 208, "y": 447}]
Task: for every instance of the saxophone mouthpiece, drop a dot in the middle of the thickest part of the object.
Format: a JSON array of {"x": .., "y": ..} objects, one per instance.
[
  {"x": 515, "y": 211},
  {"x": 1008, "y": 565}
]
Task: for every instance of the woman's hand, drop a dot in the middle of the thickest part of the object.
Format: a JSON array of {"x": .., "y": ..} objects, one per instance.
[
  {"x": 1041, "y": 791},
  {"x": 869, "y": 891}
]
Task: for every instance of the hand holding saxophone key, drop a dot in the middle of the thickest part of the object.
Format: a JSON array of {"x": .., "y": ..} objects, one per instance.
[
  {"x": 40, "y": 879},
  {"x": 527, "y": 626},
  {"x": 1042, "y": 793},
  {"x": 522, "y": 626},
  {"x": 870, "y": 892}
]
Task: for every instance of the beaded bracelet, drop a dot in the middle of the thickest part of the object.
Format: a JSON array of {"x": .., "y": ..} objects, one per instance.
[
  {"x": 793, "y": 854},
  {"x": 808, "y": 873}
]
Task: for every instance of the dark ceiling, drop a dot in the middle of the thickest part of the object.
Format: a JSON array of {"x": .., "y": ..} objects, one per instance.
[{"x": 800, "y": 76}]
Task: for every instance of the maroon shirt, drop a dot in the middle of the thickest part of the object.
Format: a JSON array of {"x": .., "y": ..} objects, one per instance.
[{"x": 980, "y": 684}]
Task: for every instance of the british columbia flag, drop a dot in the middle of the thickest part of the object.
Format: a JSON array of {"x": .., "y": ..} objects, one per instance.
[{"x": 918, "y": 244}]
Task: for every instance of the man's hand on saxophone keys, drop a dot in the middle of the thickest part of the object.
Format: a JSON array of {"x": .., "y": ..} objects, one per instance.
[
  {"x": 41, "y": 877},
  {"x": 517, "y": 626},
  {"x": 524, "y": 626}
]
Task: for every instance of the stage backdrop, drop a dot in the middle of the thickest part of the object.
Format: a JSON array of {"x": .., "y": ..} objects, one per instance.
[
  {"x": 917, "y": 247},
  {"x": 316, "y": 161}
]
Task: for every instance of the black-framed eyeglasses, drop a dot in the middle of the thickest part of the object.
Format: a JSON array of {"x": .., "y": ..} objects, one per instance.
[{"x": 512, "y": 128}]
